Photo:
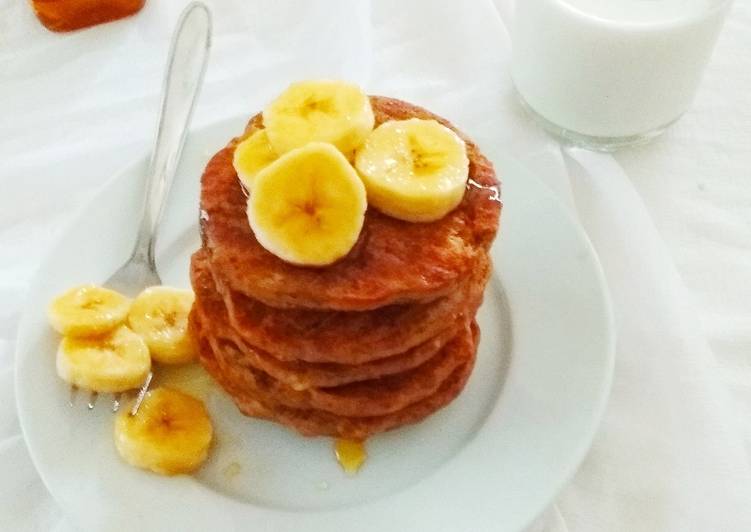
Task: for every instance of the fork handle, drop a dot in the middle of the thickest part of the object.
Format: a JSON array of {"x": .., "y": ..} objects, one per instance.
[{"x": 186, "y": 65}]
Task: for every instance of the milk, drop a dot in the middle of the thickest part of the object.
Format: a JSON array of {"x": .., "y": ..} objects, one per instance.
[{"x": 612, "y": 68}]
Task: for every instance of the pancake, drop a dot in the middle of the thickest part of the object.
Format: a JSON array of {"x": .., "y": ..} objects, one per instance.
[
  {"x": 299, "y": 375},
  {"x": 374, "y": 397},
  {"x": 320, "y": 336},
  {"x": 311, "y": 422},
  {"x": 394, "y": 261},
  {"x": 304, "y": 375}
]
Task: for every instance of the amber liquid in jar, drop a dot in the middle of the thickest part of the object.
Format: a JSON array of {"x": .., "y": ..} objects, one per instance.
[{"x": 68, "y": 15}]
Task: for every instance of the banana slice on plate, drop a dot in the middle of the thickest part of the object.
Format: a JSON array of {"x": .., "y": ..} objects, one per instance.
[
  {"x": 88, "y": 310},
  {"x": 115, "y": 362},
  {"x": 325, "y": 110},
  {"x": 253, "y": 155},
  {"x": 160, "y": 315},
  {"x": 414, "y": 170},
  {"x": 308, "y": 206},
  {"x": 170, "y": 434}
]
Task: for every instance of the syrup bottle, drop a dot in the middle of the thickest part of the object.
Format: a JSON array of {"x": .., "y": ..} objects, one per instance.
[{"x": 68, "y": 15}]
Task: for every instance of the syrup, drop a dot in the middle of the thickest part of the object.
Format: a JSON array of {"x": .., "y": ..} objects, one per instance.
[
  {"x": 495, "y": 190},
  {"x": 232, "y": 470},
  {"x": 190, "y": 378},
  {"x": 350, "y": 454}
]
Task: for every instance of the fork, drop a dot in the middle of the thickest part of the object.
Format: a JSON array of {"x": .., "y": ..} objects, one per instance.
[{"x": 186, "y": 65}]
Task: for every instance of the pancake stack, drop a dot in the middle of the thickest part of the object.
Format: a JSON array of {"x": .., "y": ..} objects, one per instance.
[{"x": 381, "y": 338}]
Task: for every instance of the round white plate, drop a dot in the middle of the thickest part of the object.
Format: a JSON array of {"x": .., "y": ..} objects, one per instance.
[{"x": 492, "y": 460}]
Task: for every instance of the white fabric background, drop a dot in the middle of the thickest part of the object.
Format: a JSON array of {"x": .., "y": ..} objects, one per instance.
[
  {"x": 670, "y": 454},
  {"x": 696, "y": 183}
]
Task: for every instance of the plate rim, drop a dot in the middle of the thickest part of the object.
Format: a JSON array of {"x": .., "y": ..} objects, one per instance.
[{"x": 610, "y": 327}]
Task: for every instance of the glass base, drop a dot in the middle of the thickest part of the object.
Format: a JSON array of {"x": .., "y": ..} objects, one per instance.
[{"x": 603, "y": 144}]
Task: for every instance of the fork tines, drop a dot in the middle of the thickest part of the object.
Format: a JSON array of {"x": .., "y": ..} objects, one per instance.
[{"x": 117, "y": 398}]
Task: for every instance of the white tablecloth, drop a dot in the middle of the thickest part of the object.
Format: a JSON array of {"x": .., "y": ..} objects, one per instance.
[
  {"x": 670, "y": 455},
  {"x": 696, "y": 184}
]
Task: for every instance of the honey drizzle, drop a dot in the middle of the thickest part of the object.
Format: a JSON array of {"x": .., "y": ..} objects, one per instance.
[
  {"x": 350, "y": 454},
  {"x": 494, "y": 189}
]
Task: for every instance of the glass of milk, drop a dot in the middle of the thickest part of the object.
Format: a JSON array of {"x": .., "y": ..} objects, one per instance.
[{"x": 611, "y": 73}]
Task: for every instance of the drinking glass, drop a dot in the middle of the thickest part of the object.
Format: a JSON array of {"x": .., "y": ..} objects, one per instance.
[{"x": 604, "y": 74}]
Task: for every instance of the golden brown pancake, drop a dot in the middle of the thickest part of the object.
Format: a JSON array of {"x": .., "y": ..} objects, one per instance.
[
  {"x": 368, "y": 398},
  {"x": 393, "y": 262},
  {"x": 320, "y": 336},
  {"x": 311, "y": 422},
  {"x": 371, "y": 397},
  {"x": 300, "y": 375}
]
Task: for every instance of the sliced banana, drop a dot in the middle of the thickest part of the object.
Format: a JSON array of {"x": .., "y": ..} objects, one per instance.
[
  {"x": 170, "y": 434},
  {"x": 308, "y": 206},
  {"x": 115, "y": 362},
  {"x": 253, "y": 155},
  {"x": 328, "y": 111},
  {"x": 88, "y": 310},
  {"x": 160, "y": 315},
  {"x": 414, "y": 170}
]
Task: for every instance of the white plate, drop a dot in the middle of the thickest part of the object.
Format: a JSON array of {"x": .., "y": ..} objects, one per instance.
[{"x": 492, "y": 460}]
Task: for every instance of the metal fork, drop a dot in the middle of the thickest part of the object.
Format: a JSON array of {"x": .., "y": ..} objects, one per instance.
[{"x": 186, "y": 65}]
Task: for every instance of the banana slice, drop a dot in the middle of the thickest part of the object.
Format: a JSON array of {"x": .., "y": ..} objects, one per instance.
[
  {"x": 87, "y": 310},
  {"x": 414, "y": 170},
  {"x": 115, "y": 362},
  {"x": 253, "y": 155},
  {"x": 308, "y": 206},
  {"x": 160, "y": 315},
  {"x": 326, "y": 111},
  {"x": 170, "y": 434}
]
